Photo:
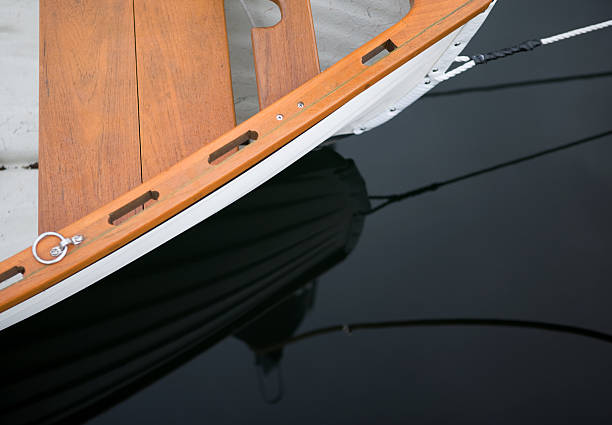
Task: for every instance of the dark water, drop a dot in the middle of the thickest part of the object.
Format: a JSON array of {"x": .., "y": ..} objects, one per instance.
[{"x": 195, "y": 332}]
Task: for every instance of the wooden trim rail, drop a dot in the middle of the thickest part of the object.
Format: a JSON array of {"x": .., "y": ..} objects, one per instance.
[{"x": 193, "y": 178}]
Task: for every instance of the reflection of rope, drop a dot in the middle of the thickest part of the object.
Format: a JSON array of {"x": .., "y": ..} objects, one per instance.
[
  {"x": 522, "y": 47},
  {"x": 391, "y": 199},
  {"x": 544, "y": 326},
  {"x": 248, "y": 12},
  {"x": 271, "y": 398}
]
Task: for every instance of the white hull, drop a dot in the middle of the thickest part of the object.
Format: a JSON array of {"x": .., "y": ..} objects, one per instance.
[{"x": 403, "y": 85}]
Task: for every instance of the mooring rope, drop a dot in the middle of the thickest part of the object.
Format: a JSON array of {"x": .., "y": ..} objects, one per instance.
[
  {"x": 526, "y": 46},
  {"x": 524, "y": 83},
  {"x": 433, "y": 79}
]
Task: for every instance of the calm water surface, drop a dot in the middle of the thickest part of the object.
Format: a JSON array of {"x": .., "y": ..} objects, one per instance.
[{"x": 204, "y": 332}]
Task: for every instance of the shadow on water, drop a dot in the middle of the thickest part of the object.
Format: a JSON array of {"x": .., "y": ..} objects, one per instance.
[
  {"x": 420, "y": 323},
  {"x": 225, "y": 276},
  {"x": 432, "y": 187},
  {"x": 249, "y": 271}
]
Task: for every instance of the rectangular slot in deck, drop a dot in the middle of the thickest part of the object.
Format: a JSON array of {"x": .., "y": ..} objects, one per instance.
[
  {"x": 378, "y": 53},
  {"x": 115, "y": 216},
  {"x": 240, "y": 141},
  {"x": 11, "y": 276}
]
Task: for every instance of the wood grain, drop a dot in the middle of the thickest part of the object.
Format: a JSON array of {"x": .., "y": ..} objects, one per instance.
[
  {"x": 184, "y": 80},
  {"x": 194, "y": 178},
  {"x": 89, "y": 150},
  {"x": 286, "y": 54}
]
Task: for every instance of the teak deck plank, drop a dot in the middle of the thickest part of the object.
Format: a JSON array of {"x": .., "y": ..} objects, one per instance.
[
  {"x": 184, "y": 80},
  {"x": 286, "y": 54},
  {"x": 89, "y": 150}
]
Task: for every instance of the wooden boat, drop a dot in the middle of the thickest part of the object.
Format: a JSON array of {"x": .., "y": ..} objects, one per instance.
[
  {"x": 175, "y": 303},
  {"x": 299, "y": 112}
]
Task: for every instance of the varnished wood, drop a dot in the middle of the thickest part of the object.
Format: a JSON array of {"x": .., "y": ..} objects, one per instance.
[
  {"x": 184, "y": 81},
  {"x": 286, "y": 54},
  {"x": 193, "y": 178},
  {"x": 89, "y": 150}
]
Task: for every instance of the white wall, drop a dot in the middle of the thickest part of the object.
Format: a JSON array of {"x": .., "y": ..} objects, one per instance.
[
  {"x": 18, "y": 82},
  {"x": 18, "y": 124}
]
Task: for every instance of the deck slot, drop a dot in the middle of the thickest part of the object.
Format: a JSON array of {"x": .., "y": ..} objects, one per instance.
[
  {"x": 239, "y": 142},
  {"x": 378, "y": 53},
  {"x": 115, "y": 216},
  {"x": 11, "y": 276}
]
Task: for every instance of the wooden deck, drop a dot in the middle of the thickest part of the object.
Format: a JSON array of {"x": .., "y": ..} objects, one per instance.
[
  {"x": 127, "y": 89},
  {"x": 130, "y": 87},
  {"x": 286, "y": 54},
  {"x": 89, "y": 149}
]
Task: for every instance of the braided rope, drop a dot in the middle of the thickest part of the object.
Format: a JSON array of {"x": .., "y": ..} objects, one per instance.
[
  {"x": 577, "y": 32},
  {"x": 522, "y": 47},
  {"x": 459, "y": 70}
]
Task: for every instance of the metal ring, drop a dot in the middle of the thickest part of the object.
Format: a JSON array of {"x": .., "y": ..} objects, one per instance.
[{"x": 59, "y": 257}]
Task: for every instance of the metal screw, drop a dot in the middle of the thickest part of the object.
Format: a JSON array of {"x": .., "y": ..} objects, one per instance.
[
  {"x": 392, "y": 109},
  {"x": 427, "y": 81},
  {"x": 55, "y": 251},
  {"x": 280, "y": 117},
  {"x": 457, "y": 44},
  {"x": 435, "y": 70},
  {"x": 300, "y": 105}
]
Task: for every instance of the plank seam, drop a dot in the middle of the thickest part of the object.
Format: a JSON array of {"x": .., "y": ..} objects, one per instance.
[{"x": 137, "y": 92}]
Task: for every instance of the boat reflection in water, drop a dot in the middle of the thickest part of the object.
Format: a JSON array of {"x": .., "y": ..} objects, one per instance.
[{"x": 248, "y": 271}]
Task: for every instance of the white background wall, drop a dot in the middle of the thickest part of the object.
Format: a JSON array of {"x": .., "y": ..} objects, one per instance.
[
  {"x": 18, "y": 124},
  {"x": 18, "y": 81}
]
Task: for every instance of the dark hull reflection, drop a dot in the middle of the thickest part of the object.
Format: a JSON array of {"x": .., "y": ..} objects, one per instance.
[{"x": 87, "y": 353}]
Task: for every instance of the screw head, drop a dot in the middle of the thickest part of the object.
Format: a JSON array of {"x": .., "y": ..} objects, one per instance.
[
  {"x": 280, "y": 117},
  {"x": 300, "y": 105},
  {"x": 392, "y": 109},
  {"x": 77, "y": 239},
  {"x": 55, "y": 251}
]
